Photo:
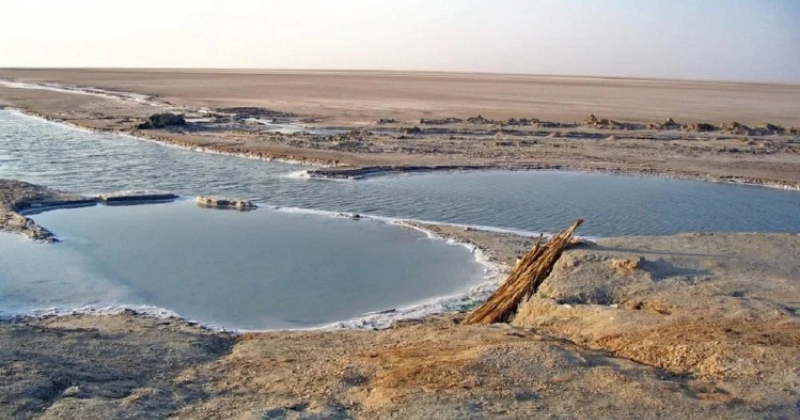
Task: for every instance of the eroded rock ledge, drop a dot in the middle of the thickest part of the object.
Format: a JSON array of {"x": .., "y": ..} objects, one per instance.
[
  {"x": 18, "y": 196},
  {"x": 218, "y": 202}
]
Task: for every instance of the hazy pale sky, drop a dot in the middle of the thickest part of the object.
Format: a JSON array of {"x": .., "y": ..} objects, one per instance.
[{"x": 694, "y": 39}]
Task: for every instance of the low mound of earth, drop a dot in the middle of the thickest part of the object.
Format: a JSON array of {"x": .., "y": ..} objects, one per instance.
[
  {"x": 721, "y": 307},
  {"x": 685, "y": 326}
]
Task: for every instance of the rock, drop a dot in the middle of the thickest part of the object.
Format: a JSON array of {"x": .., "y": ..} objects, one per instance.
[
  {"x": 627, "y": 264},
  {"x": 136, "y": 198},
  {"x": 164, "y": 120},
  {"x": 441, "y": 121},
  {"x": 225, "y": 203},
  {"x": 735, "y": 128},
  {"x": 700, "y": 127},
  {"x": 479, "y": 120},
  {"x": 669, "y": 124},
  {"x": 244, "y": 112},
  {"x": 74, "y": 392}
]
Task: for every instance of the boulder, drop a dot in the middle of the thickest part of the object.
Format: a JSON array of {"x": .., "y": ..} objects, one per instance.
[{"x": 164, "y": 120}]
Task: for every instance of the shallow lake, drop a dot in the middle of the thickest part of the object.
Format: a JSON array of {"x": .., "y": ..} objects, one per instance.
[{"x": 262, "y": 269}]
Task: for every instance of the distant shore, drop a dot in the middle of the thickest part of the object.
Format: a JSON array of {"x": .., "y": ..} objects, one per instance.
[
  {"x": 448, "y": 121},
  {"x": 770, "y": 160}
]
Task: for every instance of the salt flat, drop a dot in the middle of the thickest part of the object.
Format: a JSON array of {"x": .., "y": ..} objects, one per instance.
[{"x": 363, "y": 96}]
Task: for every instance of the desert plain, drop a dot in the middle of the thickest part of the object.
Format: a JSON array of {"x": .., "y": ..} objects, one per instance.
[{"x": 702, "y": 325}]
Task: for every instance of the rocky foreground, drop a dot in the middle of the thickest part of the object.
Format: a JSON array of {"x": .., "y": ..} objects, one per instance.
[{"x": 684, "y": 326}]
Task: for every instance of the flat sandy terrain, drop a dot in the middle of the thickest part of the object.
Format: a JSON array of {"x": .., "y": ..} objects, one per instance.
[{"x": 364, "y": 97}]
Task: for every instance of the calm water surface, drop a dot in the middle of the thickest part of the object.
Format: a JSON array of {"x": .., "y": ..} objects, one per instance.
[
  {"x": 53, "y": 155},
  {"x": 248, "y": 270}
]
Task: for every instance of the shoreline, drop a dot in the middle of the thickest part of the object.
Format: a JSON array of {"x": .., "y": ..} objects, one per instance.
[
  {"x": 356, "y": 174},
  {"x": 352, "y": 164},
  {"x": 333, "y": 170},
  {"x": 653, "y": 333},
  {"x": 170, "y": 143},
  {"x": 432, "y": 306}
]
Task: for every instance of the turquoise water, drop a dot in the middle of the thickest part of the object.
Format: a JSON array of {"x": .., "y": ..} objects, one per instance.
[
  {"x": 53, "y": 155},
  {"x": 246, "y": 270}
]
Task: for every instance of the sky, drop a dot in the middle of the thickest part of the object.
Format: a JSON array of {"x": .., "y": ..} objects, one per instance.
[{"x": 744, "y": 40}]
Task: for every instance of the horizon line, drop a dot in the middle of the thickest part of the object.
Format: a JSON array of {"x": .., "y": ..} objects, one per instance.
[{"x": 433, "y": 72}]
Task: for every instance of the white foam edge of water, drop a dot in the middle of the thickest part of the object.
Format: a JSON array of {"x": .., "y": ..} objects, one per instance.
[
  {"x": 403, "y": 221},
  {"x": 201, "y": 149},
  {"x": 89, "y": 91},
  {"x": 493, "y": 272},
  {"x": 459, "y": 300},
  {"x": 306, "y": 175},
  {"x": 381, "y": 319}
]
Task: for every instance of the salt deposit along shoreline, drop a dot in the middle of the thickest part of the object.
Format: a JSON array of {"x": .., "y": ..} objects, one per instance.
[
  {"x": 20, "y": 199},
  {"x": 708, "y": 326},
  {"x": 715, "y": 157}
]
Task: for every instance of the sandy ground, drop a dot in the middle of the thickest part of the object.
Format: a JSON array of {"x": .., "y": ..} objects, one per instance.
[
  {"x": 367, "y": 96},
  {"x": 721, "y": 155},
  {"x": 706, "y": 327}
]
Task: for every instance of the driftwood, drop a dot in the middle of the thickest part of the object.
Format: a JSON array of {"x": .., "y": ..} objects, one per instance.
[{"x": 524, "y": 281}]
